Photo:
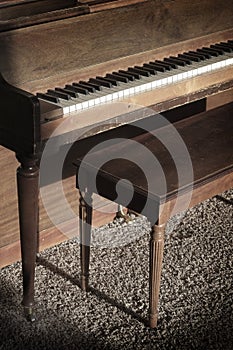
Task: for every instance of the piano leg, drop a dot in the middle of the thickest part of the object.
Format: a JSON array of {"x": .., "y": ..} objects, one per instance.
[
  {"x": 85, "y": 221},
  {"x": 28, "y": 190},
  {"x": 156, "y": 258}
]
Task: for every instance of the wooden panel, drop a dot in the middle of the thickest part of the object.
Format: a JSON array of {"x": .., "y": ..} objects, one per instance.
[
  {"x": 9, "y": 227},
  {"x": 200, "y": 194},
  {"x": 219, "y": 99},
  {"x": 39, "y": 15},
  {"x": 9, "y": 10},
  {"x": 11, "y": 253},
  {"x": 63, "y": 46}
]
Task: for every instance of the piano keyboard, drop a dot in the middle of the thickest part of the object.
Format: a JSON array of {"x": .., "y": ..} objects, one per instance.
[{"x": 138, "y": 79}]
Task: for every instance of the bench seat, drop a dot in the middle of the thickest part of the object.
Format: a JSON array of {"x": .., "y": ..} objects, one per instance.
[{"x": 159, "y": 173}]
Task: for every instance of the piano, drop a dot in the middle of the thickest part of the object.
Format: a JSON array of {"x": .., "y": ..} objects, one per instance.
[{"x": 67, "y": 60}]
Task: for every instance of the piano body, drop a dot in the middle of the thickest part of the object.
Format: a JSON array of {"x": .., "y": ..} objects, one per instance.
[{"x": 51, "y": 45}]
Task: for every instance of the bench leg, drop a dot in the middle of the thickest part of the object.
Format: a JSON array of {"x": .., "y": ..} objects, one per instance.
[
  {"x": 85, "y": 222},
  {"x": 28, "y": 190},
  {"x": 156, "y": 258}
]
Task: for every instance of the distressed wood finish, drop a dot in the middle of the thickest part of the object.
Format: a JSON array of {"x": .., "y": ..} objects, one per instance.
[{"x": 48, "y": 43}]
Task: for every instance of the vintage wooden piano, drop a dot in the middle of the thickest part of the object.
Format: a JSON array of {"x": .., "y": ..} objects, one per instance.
[{"x": 68, "y": 58}]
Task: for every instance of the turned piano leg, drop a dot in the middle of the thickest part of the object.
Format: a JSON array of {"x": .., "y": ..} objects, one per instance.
[
  {"x": 156, "y": 258},
  {"x": 28, "y": 191},
  {"x": 85, "y": 222}
]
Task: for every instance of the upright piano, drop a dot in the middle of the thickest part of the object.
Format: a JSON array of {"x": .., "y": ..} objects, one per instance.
[{"x": 66, "y": 60}]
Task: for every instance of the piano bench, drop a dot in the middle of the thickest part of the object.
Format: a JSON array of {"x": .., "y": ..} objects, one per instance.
[{"x": 158, "y": 174}]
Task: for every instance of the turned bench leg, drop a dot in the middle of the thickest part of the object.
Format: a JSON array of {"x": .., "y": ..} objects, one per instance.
[
  {"x": 156, "y": 258},
  {"x": 85, "y": 222}
]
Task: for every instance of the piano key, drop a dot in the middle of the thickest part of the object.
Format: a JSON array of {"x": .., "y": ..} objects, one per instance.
[
  {"x": 118, "y": 77},
  {"x": 156, "y": 66},
  {"x": 77, "y": 89},
  {"x": 100, "y": 82},
  {"x": 174, "y": 61},
  {"x": 173, "y": 64},
  {"x": 59, "y": 94},
  {"x": 142, "y": 70},
  {"x": 47, "y": 97},
  {"x": 133, "y": 74},
  {"x": 88, "y": 86},
  {"x": 225, "y": 48},
  {"x": 228, "y": 44},
  {"x": 207, "y": 53},
  {"x": 218, "y": 50},
  {"x": 139, "y": 72},
  {"x": 71, "y": 93},
  {"x": 125, "y": 74},
  {"x": 81, "y": 89},
  {"x": 148, "y": 68},
  {"x": 167, "y": 66},
  {"x": 198, "y": 54},
  {"x": 190, "y": 57},
  {"x": 110, "y": 80},
  {"x": 153, "y": 68},
  {"x": 185, "y": 60}
]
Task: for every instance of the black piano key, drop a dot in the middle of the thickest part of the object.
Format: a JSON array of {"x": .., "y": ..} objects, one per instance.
[
  {"x": 110, "y": 80},
  {"x": 85, "y": 85},
  {"x": 208, "y": 53},
  {"x": 59, "y": 94},
  {"x": 67, "y": 91},
  {"x": 77, "y": 89},
  {"x": 133, "y": 74},
  {"x": 48, "y": 97},
  {"x": 95, "y": 86},
  {"x": 190, "y": 57},
  {"x": 228, "y": 43},
  {"x": 218, "y": 50},
  {"x": 167, "y": 65},
  {"x": 197, "y": 54},
  {"x": 224, "y": 47},
  {"x": 117, "y": 77},
  {"x": 100, "y": 82},
  {"x": 149, "y": 68},
  {"x": 125, "y": 74},
  {"x": 185, "y": 60},
  {"x": 155, "y": 67},
  {"x": 174, "y": 61},
  {"x": 146, "y": 69},
  {"x": 140, "y": 71},
  {"x": 80, "y": 89}
]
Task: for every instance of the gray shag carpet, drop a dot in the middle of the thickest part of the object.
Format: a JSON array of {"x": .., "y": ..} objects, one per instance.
[{"x": 196, "y": 299}]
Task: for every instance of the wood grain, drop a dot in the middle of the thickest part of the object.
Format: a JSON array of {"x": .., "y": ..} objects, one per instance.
[{"x": 74, "y": 44}]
